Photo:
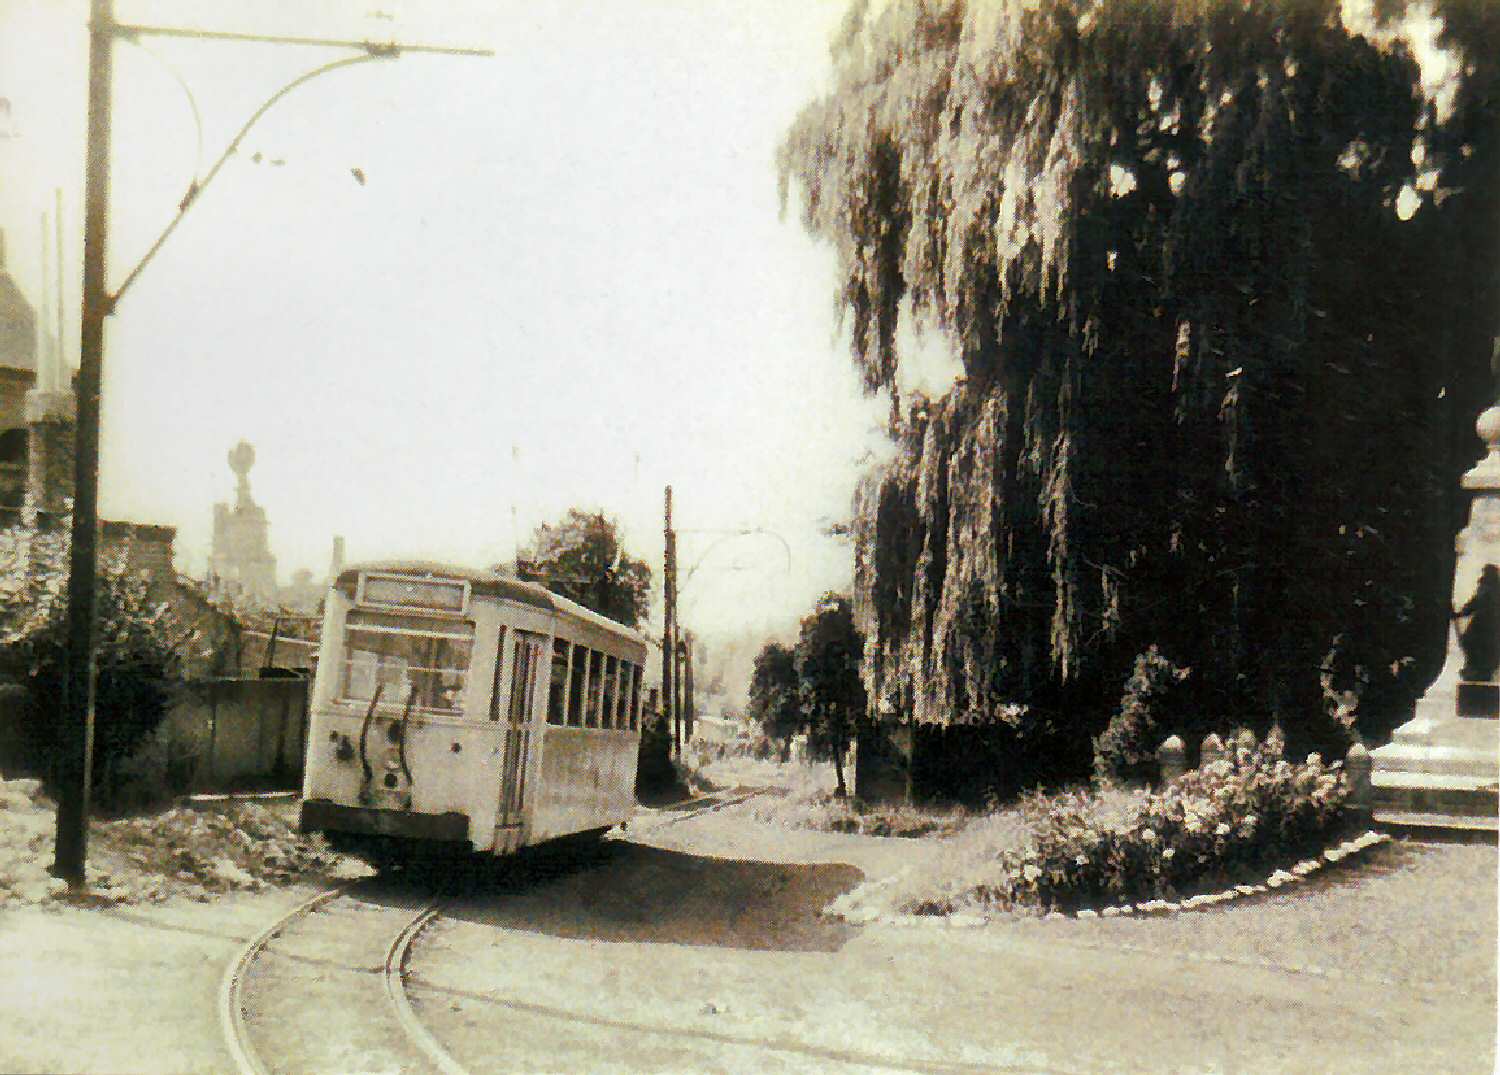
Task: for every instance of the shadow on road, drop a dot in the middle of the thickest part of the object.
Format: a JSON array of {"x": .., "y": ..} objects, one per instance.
[{"x": 619, "y": 891}]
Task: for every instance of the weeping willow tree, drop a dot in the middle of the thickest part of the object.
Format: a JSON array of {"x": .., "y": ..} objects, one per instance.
[{"x": 1221, "y": 277}]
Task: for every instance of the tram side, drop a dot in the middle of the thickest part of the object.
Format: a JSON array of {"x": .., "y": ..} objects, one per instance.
[
  {"x": 591, "y": 730},
  {"x": 456, "y": 707}
]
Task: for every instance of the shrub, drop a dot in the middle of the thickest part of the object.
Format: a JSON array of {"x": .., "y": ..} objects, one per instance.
[
  {"x": 1247, "y": 812},
  {"x": 1123, "y": 752},
  {"x": 654, "y": 772},
  {"x": 137, "y": 650}
]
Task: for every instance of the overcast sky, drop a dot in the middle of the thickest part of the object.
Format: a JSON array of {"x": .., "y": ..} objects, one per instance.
[{"x": 564, "y": 281}]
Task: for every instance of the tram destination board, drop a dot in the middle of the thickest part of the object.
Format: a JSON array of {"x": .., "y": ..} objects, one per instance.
[{"x": 398, "y": 591}]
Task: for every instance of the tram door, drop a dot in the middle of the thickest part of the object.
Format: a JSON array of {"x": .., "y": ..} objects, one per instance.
[{"x": 526, "y": 650}]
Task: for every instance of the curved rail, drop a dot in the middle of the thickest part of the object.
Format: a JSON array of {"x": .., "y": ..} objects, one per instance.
[
  {"x": 710, "y": 805},
  {"x": 232, "y": 1008},
  {"x": 395, "y": 989},
  {"x": 247, "y": 1061}
]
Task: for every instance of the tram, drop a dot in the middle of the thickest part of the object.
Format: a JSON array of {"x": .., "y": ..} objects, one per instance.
[{"x": 470, "y": 710}]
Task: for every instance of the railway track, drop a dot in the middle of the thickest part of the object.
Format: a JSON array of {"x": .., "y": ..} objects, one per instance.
[
  {"x": 323, "y": 988},
  {"x": 708, "y": 805}
]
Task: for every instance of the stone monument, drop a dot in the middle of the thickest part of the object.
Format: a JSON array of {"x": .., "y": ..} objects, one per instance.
[
  {"x": 1442, "y": 768},
  {"x": 241, "y": 565}
]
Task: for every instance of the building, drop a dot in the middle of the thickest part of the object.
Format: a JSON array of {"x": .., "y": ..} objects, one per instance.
[
  {"x": 241, "y": 567},
  {"x": 37, "y": 422},
  {"x": 36, "y": 471},
  {"x": 17, "y": 378}
]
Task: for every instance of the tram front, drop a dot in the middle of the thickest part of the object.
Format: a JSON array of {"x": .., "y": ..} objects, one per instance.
[{"x": 392, "y": 754}]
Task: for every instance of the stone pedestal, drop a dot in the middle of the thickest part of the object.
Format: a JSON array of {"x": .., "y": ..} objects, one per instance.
[{"x": 1441, "y": 769}]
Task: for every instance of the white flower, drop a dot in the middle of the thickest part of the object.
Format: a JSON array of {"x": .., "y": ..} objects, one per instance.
[
  {"x": 1149, "y": 835},
  {"x": 1168, "y": 853},
  {"x": 1082, "y": 860},
  {"x": 1221, "y": 829},
  {"x": 1031, "y": 871}
]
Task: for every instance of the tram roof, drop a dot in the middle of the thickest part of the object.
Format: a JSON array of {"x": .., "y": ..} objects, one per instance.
[{"x": 484, "y": 583}]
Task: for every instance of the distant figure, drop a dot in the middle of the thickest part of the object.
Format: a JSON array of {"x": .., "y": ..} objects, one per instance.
[{"x": 1478, "y": 624}]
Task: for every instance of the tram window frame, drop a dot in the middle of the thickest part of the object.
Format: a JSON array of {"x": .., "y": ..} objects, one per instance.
[
  {"x": 386, "y": 629},
  {"x": 557, "y": 690},
  {"x": 578, "y": 681},
  {"x": 635, "y": 698},
  {"x": 499, "y": 675},
  {"x": 596, "y": 689},
  {"x": 611, "y": 692}
]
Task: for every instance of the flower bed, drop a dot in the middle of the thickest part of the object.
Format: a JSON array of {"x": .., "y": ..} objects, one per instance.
[{"x": 1233, "y": 819}]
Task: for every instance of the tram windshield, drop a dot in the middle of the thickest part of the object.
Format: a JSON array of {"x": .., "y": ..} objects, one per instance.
[{"x": 417, "y": 658}]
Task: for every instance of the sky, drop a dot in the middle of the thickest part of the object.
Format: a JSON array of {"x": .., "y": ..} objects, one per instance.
[{"x": 559, "y": 277}]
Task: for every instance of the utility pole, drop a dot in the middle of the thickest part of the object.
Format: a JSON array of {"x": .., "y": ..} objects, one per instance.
[
  {"x": 74, "y": 755},
  {"x": 74, "y": 745},
  {"x": 669, "y": 624}
]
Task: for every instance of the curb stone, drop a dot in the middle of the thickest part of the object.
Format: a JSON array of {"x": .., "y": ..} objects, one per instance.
[{"x": 1278, "y": 879}]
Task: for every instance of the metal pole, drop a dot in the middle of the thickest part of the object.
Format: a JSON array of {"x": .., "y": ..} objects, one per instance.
[
  {"x": 75, "y": 739},
  {"x": 677, "y": 700},
  {"x": 58, "y": 383},
  {"x": 73, "y": 756},
  {"x": 669, "y": 610},
  {"x": 688, "y": 710}
]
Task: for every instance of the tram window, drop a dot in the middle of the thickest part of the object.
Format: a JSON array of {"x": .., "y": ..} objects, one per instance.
[
  {"x": 611, "y": 697},
  {"x": 596, "y": 686},
  {"x": 523, "y": 677},
  {"x": 635, "y": 699},
  {"x": 578, "y": 682},
  {"x": 557, "y": 689},
  {"x": 411, "y": 659},
  {"x": 622, "y": 715}
]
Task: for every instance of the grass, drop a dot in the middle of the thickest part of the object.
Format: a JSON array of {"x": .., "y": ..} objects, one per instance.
[
  {"x": 802, "y": 797},
  {"x": 966, "y": 859},
  {"x": 825, "y": 812},
  {"x": 1409, "y": 911}
]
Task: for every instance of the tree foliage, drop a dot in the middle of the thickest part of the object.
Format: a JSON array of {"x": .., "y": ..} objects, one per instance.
[
  {"x": 1216, "y": 390},
  {"x": 1126, "y": 748},
  {"x": 828, "y": 654},
  {"x": 139, "y": 645},
  {"x": 774, "y": 703},
  {"x": 581, "y": 558}
]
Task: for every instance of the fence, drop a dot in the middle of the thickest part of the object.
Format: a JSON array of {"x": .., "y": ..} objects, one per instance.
[{"x": 235, "y": 734}]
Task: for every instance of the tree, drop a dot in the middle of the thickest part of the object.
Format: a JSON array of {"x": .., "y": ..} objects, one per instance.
[
  {"x": 1221, "y": 343},
  {"x": 775, "y": 704},
  {"x": 581, "y": 558},
  {"x": 828, "y": 655},
  {"x": 138, "y": 653}
]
